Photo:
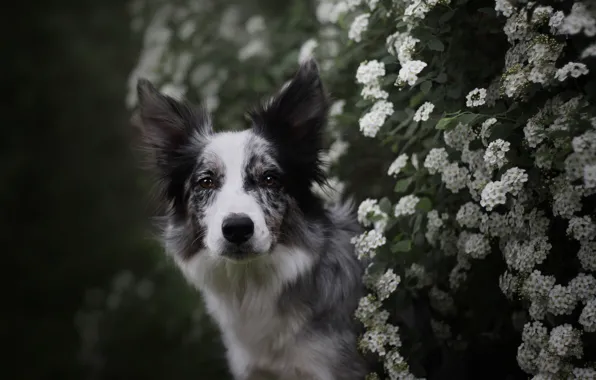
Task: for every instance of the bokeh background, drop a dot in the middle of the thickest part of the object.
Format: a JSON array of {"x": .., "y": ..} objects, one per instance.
[{"x": 88, "y": 292}]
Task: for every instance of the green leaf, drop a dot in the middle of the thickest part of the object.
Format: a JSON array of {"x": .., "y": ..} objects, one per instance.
[
  {"x": 402, "y": 246},
  {"x": 389, "y": 79},
  {"x": 441, "y": 78},
  {"x": 426, "y": 86},
  {"x": 445, "y": 122},
  {"x": 416, "y": 100},
  {"x": 467, "y": 118},
  {"x": 436, "y": 45},
  {"x": 446, "y": 16},
  {"x": 402, "y": 185},
  {"x": 388, "y": 59},
  {"x": 424, "y": 204},
  {"x": 385, "y": 205},
  {"x": 362, "y": 103}
]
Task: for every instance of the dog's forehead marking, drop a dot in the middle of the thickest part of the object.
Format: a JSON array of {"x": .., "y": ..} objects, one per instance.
[
  {"x": 235, "y": 150},
  {"x": 229, "y": 149}
]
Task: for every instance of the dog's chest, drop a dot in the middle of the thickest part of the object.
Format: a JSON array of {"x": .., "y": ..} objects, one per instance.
[{"x": 252, "y": 319}]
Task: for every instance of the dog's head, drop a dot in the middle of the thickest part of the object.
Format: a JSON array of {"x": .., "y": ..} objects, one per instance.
[{"x": 235, "y": 190}]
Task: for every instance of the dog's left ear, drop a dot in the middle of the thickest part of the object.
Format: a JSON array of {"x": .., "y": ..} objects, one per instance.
[{"x": 296, "y": 117}]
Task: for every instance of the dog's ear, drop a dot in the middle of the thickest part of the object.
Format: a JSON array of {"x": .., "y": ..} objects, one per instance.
[
  {"x": 296, "y": 117},
  {"x": 171, "y": 133},
  {"x": 165, "y": 123}
]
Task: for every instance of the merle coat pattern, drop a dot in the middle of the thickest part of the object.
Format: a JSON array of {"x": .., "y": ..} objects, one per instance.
[{"x": 275, "y": 267}]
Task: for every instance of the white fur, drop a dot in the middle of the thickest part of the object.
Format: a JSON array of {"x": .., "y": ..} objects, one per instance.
[
  {"x": 229, "y": 150},
  {"x": 242, "y": 298}
]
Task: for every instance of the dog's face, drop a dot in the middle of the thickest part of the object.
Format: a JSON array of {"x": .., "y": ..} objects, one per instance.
[{"x": 236, "y": 190}]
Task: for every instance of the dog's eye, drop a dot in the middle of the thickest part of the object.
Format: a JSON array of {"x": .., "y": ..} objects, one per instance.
[
  {"x": 207, "y": 183},
  {"x": 270, "y": 180}
]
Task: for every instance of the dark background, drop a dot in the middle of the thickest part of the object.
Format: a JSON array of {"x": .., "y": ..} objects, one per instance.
[{"x": 74, "y": 238}]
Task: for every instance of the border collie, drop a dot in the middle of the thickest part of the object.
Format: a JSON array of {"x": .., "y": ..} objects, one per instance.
[{"x": 275, "y": 267}]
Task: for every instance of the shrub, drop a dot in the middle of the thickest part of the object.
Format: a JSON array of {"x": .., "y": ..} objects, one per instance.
[{"x": 480, "y": 193}]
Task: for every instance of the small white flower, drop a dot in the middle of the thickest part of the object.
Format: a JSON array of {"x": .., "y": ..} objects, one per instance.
[
  {"x": 579, "y": 19},
  {"x": 477, "y": 246},
  {"x": 459, "y": 137},
  {"x": 587, "y": 255},
  {"x": 476, "y": 97},
  {"x": 504, "y": 7},
  {"x": 495, "y": 153},
  {"x": 537, "y": 286},
  {"x": 469, "y": 215},
  {"x": 535, "y": 334},
  {"x": 359, "y": 26},
  {"x": 307, "y": 49},
  {"x": 424, "y": 111},
  {"x": 337, "y": 108},
  {"x": 513, "y": 179},
  {"x": 406, "y": 205},
  {"x": 584, "y": 373},
  {"x": 526, "y": 358},
  {"x": 370, "y": 213},
  {"x": 409, "y": 72},
  {"x": 369, "y": 72},
  {"x": 367, "y": 243},
  {"x": 255, "y": 24},
  {"x": 484, "y": 131},
  {"x": 387, "y": 284},
  {"x": 436, "y": 160},
  {"x": 590, "y": 51},
  {"x": 371, "y": 123},
  {"x": 582, "y": 228},
  {"x": 561, "y": 300},
  {"x": 588, "y": 317},
  {"x": 571, "y": 69},
  {"x": 493, "y": 194},
  {"x": 566, "y": 341},
  {"x": 396, "y": 166},
  {"x": 590, "y": 176},
  {"x": 373, "y": 92},
  {"x": 584, "y": 287},
  {"x": 455, "y": 177}
]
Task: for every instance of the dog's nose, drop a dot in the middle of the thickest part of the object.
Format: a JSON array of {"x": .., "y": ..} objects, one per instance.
[{"x": 237, "y": 228}]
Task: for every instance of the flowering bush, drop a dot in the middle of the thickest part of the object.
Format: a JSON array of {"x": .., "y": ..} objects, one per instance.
[{"x": 485, "y": 116}]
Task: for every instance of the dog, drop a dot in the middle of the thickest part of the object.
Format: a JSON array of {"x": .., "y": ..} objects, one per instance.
[{"x": 274, "y": 265}]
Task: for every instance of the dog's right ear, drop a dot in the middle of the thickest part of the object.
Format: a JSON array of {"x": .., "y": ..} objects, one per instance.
[{"x": 167, "y": 126}]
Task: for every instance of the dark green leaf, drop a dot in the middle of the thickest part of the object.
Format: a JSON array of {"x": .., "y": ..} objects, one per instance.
[
  {"x": 385, "y": 205},
  {"x": 441, "y": 78},
  {"x": 426, "y": 86},
  {"x": 424, "y": 204},
  {"x": 402, "y": 246},
  {"x": 402, "y": 185},
  {"x": 416, "y": 100},
  {"x": 445, "y": 122},
  {"x": 467, "y": 118},
  {"x": 436, "y": 45},
  {"x": 446, "y": 16}
]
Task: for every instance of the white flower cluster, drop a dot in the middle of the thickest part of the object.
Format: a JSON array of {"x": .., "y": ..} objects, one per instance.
[
  {"x": 367, "y": 243},
  {"x": 424, "y": 111},
  {"x": 370, "y": 74},
  {"x": 476, "y": 97},
  {"x": 358, "y": 27},
  {"x": 369, "y": 213},
  {"x": 502, "y": 197},
  {"x": 406, "y": 205},
  {"x": 397, "y": 165},
  {"x": 371, "y": 122}
]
